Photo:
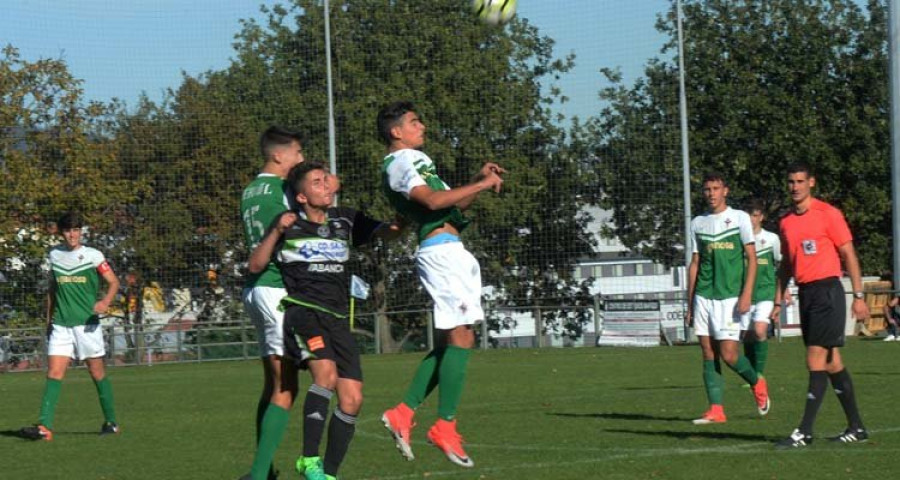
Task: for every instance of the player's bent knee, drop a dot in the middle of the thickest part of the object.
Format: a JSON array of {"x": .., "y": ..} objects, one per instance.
[{"x": 351, "y": 403}]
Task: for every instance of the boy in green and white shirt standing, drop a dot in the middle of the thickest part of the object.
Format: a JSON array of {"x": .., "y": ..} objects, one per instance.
[
  {"x": 73, "y": 323},
  {"x": 720, "y": 287},
  {"x": 763, "y": 310}
]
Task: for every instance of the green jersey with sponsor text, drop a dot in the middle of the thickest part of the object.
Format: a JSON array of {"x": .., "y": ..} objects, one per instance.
[
  {"x": 77, "y": 279},
  {"x": 263, "y": 201},
  {"x": 719, "y": 240}
]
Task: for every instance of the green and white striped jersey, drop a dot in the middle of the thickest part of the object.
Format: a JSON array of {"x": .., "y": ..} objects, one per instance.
[
  {"x": 406, "y": 169},
  {"x": 719, "y": 239},
  {"x": 263, "y": 201},
  {"x": 768, "y": 254},
  {"x": 77, "y": 283}
]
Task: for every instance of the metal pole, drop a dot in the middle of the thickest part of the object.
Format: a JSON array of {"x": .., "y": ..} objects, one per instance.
[
  {"x": 430, "y": 332},
  {"x": 894, "y": 53},
  {"x": 685, "y": 153},
  {"x": 377, "y": 330},
  {"x": 332, "y": 148}
]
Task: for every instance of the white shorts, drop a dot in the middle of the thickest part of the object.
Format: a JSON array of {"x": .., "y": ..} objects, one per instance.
[
  {"x": 452, "y": 277},
  {"x": 80, "y": 342},
  {"x": 759, "y": 312},
  {"x": 261, "y": 304},
  {"x": 718, "y": 319}
]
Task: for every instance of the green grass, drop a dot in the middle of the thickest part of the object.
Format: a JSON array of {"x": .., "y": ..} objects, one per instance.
[{"x": 552, "y": 413}]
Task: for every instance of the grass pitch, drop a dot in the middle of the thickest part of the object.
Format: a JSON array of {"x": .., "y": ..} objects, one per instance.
[{"x": 610, "y": 413}]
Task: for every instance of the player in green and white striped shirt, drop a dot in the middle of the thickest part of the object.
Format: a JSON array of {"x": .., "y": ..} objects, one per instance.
[
  {"x": 720, "y": 287},
  {"x": 73, "y": 323},
  {"x": 763, "y": 311}
]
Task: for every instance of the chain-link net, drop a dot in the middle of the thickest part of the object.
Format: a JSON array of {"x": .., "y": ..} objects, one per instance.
[{"x": 577, "y": 100}]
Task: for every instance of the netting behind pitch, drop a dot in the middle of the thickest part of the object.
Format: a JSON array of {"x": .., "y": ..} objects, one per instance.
[{"x": 579, "y": 101}]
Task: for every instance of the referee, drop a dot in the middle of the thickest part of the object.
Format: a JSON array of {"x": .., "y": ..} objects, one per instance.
[{"x": 815, "y": 240}]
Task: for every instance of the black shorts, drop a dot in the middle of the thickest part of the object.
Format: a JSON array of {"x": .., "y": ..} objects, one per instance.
[
  {"x": 823, "y": 312},
  {"x": 313, "y": 335}
]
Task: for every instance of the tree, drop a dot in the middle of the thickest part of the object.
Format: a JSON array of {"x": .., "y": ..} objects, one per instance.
[
  {"x": 767, "y": 83},
  {"x": 480, "y": 89},
  {"x": 56, "y": 154}
]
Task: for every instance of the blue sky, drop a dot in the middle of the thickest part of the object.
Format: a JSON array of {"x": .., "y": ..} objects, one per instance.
[{"x": 123, "y": 47}]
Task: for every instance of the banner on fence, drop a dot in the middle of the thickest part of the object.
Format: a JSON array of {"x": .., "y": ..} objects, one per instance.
[{"x": 630, "y": 323}]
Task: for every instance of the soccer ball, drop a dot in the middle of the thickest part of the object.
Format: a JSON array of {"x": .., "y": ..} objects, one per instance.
[{"x": 495, "y": 12}]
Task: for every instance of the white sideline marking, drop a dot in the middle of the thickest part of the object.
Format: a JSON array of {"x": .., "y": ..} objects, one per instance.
[{"x": 626, "y": 453}]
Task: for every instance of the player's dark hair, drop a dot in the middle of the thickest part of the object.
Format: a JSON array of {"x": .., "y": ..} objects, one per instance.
[
  {"x": 715, "y": 177},
  {"x": 299, "y": 171},
  {"x": 755, "y": 205},
  {"x": 389, "y": 116},
  {"x": 801, "y": 167},
  {"x": 277, "y": 136},
  {"x": 70, "y": 220}
]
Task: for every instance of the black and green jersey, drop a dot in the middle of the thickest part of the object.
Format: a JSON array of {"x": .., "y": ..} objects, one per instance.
[
  {"x": 719, "y": 240},
  {"x": 406, "y": 169},
  {"x": 262, "y": 202},
  {"x": 313, "y": 256},
  {"x": 768, "y": 254},
  {"x": 77, "y": 279}
]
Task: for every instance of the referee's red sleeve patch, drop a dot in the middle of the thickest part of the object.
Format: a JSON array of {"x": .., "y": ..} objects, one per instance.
[
  {"x": 315, "y": 343},
  {"x": 104, "y": 267}
]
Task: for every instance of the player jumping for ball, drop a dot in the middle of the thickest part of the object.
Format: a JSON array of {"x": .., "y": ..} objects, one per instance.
[{"x": 450, "y": 274}]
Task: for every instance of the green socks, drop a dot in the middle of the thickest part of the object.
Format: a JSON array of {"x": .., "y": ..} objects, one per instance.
[
  {"x": 743, "y": 368},
  {"x": 445, "y": 368},
  {"x": 757, "y": 352},
  {"x": 760, "y": 354},
  {"x": 452, "y": 373},
  {"x": 274, "y": 423},
  {"x": 105, "y": 392},
  {"x": 712, "y": 380},
  {"x": 48, "y": 402},
  {"x": 425, "y": 379}
]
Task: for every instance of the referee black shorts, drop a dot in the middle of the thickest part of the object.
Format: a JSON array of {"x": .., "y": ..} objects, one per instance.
[
  {"x": 314, "y": 335},
  {"x": 823, "y": 312}
]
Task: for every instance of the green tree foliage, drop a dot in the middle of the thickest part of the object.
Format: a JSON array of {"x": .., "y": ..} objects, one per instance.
[
  {"x": 767, "y": 83},
  {"x": 480, "y": 90},
  {"x": 56, "y": 154}
]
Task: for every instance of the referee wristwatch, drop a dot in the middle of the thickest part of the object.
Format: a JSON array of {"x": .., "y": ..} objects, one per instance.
[{"x": 859, "y": 295}]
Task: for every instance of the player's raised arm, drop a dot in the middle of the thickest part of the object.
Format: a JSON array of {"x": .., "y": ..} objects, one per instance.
[
  {"x": 262, "y": 253},
  {"x": 392, "y": 230},
  {"x": 486, "y": 170},
  {"x": 441, "y": 199}
]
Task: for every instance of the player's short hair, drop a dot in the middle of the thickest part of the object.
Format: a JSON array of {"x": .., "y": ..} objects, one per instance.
[
  {"x": 389, "y": 116},
  {"x": 713, "y": 176},
  {"x": 298, "y": 173},
  {"x": 801, "y": 167},
  {"x": 755, "y": 205},
  {"x": 70, "y": 220},
  {"x": 277, "y": 136}
]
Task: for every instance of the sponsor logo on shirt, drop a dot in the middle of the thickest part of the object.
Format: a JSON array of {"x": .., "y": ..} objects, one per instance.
[
  {"x": 71, "y": 279},
  {"x": 809, "y": 247},
  {"x": 324, "y": 250},
  {"x": 315, "y": 343},
  {"x": 326, "y": 268},
  {"x": 719, "y": 246}
]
